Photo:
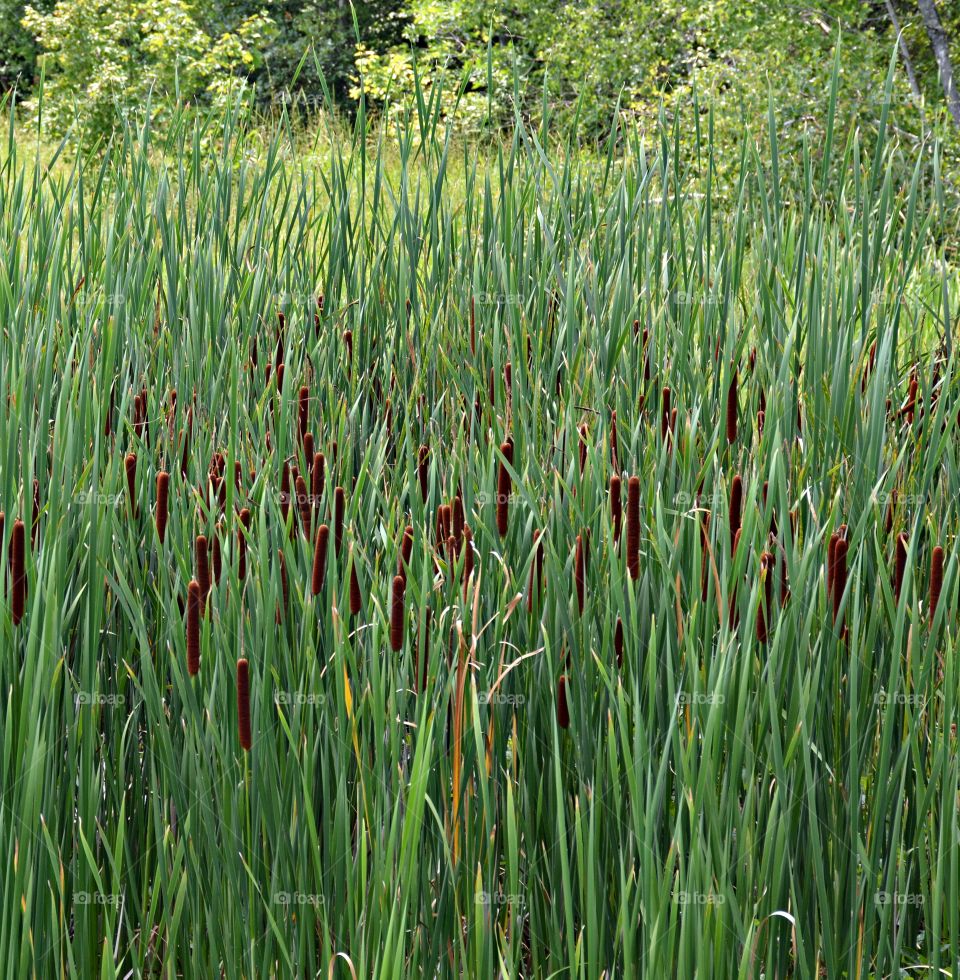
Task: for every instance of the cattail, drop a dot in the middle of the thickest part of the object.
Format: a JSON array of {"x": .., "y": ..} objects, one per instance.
[
  {"x": 308, "y": 456},
  {"x": 614, "y": 442},
  {"x": 396, "y": 613},
  {"x": 406, "y": 550},
  {"x": 583, "y": 447},
  {"x": 616, "y": 505},
  {"x": 736, "y": 506},
  {"x": 317, "y": 478},
  {"x": 303, "y": 503},
  {"x": 503, "y": 489},
  {"x": 618, "y": 641},
  {"x": 444, "y": 523},
  {"x": 18, "y": 568},
  {"x": 563, "y": 712},
  {"x": 303, "y": 403},
  {"x": 348, "y": 343},
  {"x": 339, "y": 505},
  {"x": 458, "y": 520},
  {"x": 665, "y": 413},
  {"x": 784, "y": 581},
  {"x": 130, "y": 462},
  {"x": 831, "y": 563},
  {"x": 579, "y": 573},
  {"x": 508, "y": 381},
  {"x": 936, "y": 579},
  {"x": 491, "y": 390},
  {"x": 767, "y": 567},
  {"x": 281, "y": 370},
  {"x": 736, "y": 541},
  {"x": 320, "y": 559},
  {"x": 633, "y": 527},
  {"x": 839, "y": 575},
  {"x": 423, "y": 470},
  {"x": 203, "y": 568},
  {"x": 194, "y": 603},
  {"x": 900, "y": 564},
  {"x": 732, "y": 410},
  {"x": 871, "y": 360},
  {"x": 356, "y": 600},
  {"x": 243, "y": 704},
  {"x": 242, "y": 543},
  {"x": 163, "y": 492}
]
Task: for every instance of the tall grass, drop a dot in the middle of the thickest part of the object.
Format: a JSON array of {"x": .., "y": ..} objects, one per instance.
[{"x": 501, "y": 753}]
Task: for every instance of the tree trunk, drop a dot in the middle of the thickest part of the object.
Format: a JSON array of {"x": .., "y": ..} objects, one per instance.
[
  {"x": 904, "y": 51},
  {"x": 938, "y": 41}
]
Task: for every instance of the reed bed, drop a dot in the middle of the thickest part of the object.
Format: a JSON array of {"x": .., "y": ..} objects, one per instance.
[{"x": 480, "y": 732}]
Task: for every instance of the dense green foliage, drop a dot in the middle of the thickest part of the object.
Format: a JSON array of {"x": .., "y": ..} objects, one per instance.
[{"x": 726, "y": 802}]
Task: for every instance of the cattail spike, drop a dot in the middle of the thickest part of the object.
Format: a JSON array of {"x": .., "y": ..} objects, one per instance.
[
  {"x": 633, "y": 527},
  {"x": 936, "y": 580},
  {"x": 563, "y": 712},
  {"x": 503, "y": 489},
  {"x": 245, "y": 518},
  {"x": 397, "y": 613},
  {"x": 130, "y": 463},
  {"x": 203, "y": 569},
  {"x": 339, "y": 506},
  {"x": 163, "y": 493},
  {"x": 18, "y": 571},
  {"x": 243, "y": 704},
  {"x": 320, "y": 559},
  {"x": 736, "y": 506},
  {"x": 732, "y": 410},
  {"x": 194, "y": 603},
  {"x": 616, "y": 506}
]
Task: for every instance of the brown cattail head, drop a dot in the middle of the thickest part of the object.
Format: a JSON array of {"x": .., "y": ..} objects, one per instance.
[
  {"x": 308, "y": 452},
  {"x": 242, "y": 543},
  {"x": 303, "y": 504},
  {"x": 356, "y": 600},
  {"x": 320, "y": 559},
  {"x": 285, "y": 492},
  {"x": 163, "y": 494},
  {"x": 397, "y": 613},
  {"x": 18, "y": 570},
  {"x": 899, "y": 564},
  {"x": 423, "y": 470},
  {"x": 503, "y": 489},
  {"x": 583, "y": 447},
  {"x": 936, "y": 579},
  {"x": 458, "y": 520},
  {"x": 736, "y": 506},
  {"x": 194, "y": 605},
  {"x": 616, "y": 505},
  {"x": 732, "y": 410},
  {"x": 130, "y": 462},
  {"x": 348, "y": 343},
  {"x": 633, "y": 527},
  {"x": 339, "y": 506},
  {"x": 832, "y": 562},
  {"x": 618, "y": 641},
  {"x": 243, "y": 704},
  {"x": 203, "y": 568},
  {"x": 580, "y": 572},
  {"x": 563, "y": 712}
]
